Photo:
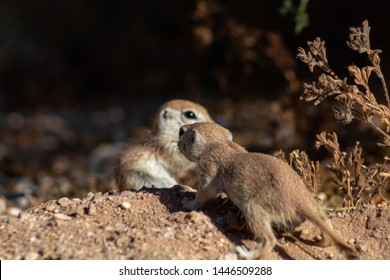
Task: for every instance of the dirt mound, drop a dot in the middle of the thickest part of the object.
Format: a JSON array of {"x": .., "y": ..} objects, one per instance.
[{"x": 152, "y": 225}]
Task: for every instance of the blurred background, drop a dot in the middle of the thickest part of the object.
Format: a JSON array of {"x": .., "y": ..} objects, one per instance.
[{"x": 80, "y": 80}]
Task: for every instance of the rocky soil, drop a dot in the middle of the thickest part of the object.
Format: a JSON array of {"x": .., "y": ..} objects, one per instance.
[{"x": 152, "y": 225}]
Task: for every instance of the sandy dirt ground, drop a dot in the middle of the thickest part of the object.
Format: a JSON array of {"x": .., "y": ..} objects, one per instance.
[{"x": 151, "y": 224}]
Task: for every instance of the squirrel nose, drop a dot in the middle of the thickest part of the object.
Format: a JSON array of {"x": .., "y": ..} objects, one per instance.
[{"x": 181, "y": 131}]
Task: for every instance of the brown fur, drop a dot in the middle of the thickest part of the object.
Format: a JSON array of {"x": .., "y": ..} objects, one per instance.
[
  {"x": 267, "y": 190},
  {"x": 157, "y": 162}
]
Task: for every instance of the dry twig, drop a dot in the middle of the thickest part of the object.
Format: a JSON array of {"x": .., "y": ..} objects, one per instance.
[
  {"x": 356, "y": 99},
  {"x": 307, "y": 169}
]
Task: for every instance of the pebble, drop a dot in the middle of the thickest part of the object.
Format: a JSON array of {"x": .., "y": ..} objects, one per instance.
[
  {"x": 304, "y": 232},
  {"x": 322, "y": 196},
  {"x": 126, "y": 193},
  {"x": 125, "y": 205},
  {"x": 92, "y": 209},
  {"x": 362, "y": 248},
  {"x": 64, "y": 201},
  {"x": 194, "y": 216},
  {"x": 23, "y": 216},
  {"x": 318, "y": 238},
  {"x": 31, "y": 256},
  {"x": 89, "y": 196},
  {"x": 330, "y": 256},
  {"x": 14, "y": 211},
  {"x": 331, "y": 214},
  {"x": 51, "y": 207},
  {"x": 63, "y": 217},
  {"x": 80, "y": 210},
  {"x": 229, "y": 256},
  {"x": 122, "y": 241},
  {"x": 376, "y": 234},
  {"x": 167, "y": 233}
]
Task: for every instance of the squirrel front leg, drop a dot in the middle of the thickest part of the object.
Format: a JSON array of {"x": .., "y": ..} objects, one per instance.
[
  {"x": 205, "y": 192},
  {"x": 202, "y": 196}
]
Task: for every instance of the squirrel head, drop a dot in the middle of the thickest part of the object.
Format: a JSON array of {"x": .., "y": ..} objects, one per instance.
[{"x": 194, "y": 138}]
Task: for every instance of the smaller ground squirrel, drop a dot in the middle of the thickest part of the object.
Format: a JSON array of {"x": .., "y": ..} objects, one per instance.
[
  {"x": 156, "y": 162},
  {"x": 268, "y": 192}
]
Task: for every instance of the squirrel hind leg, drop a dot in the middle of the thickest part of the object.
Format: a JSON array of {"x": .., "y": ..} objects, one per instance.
[{"x": 267, "y": 241}]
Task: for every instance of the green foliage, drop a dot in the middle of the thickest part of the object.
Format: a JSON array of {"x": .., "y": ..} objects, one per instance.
[{"x": 300, "y": 13}]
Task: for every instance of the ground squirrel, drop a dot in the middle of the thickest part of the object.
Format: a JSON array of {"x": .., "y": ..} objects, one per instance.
[
  {"x": 156, "y": 162},
  {"x": 268, "y": 192}
]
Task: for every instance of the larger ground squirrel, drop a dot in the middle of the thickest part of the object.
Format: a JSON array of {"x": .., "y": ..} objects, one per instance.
[
  {"x": 156, "y": 162},
  {"x": 269, "y": 193}
]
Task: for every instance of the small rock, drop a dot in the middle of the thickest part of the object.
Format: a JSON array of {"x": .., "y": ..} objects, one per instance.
[
  {"x": 122, "y": 241},
  {"x": 194, "y": 216},
  {"x": 64, "y": 201},
  {"x": 330, "y": 256},
  {"x": 229, "y": 256},
  {"x": 377, "y": 234},
  {"x": 126, "y": 193},
  {"x": 80, "y": 210},
  {"x": 14, "y": 211},
  {"x": 331, "y": 214},
  {"x": 304, "y": 232},
  {"x": 352, "y": 241},
  {"x": 89, "y": 196},
  {"x": 23, "y": 216},
  {"x": 63, "y": 217},
  {"x": 282, "y": 240},
  {"x": 31, "y": 256},
  {"x": 318, "y": 238},
  {"x": 362, "y": 248},
  {"x": 92, "y": 209},
  {"x": 167, "y": 234},
  {"x": 322, "y": 196},
  {"x": 51, "y": 207},
  {"x": 125, "y": 205}
]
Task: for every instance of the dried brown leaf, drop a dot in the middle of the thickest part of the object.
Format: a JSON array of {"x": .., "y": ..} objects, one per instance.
[{"x": 359, "y": 38}]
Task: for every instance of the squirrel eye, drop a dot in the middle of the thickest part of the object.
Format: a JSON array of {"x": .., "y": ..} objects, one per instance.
[{"x": 190, "y": 115}]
